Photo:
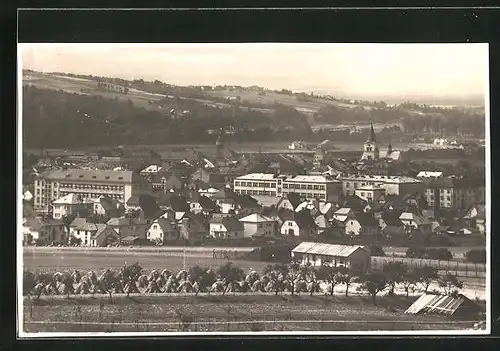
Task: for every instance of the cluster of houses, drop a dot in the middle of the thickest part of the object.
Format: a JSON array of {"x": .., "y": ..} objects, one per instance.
[{"x": 234, "y": 196}]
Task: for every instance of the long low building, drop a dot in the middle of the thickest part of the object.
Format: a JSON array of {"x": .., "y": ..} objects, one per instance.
[
  {"x": 318, "y": 254},
  {"x": 87, "y": 184},
  {"x": 306, "y": 186},
  {"x": 393, "y": 185}
]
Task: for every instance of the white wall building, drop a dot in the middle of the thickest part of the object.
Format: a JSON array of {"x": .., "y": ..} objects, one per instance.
[
  {"x": 313, "y": 187},
  {"x": 258, "y": 225},
  {"x": 263, "y": 184},
  {"x": 89, "y": 184},
  {"x": 393, "y": 185},
  {"x": 370, "y": 193}
]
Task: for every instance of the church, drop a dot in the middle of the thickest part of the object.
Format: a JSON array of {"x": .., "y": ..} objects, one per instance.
[{"x": 372, "y": 152}]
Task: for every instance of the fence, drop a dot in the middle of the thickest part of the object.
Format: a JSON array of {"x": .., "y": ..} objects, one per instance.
[
  {"x": 461, "y": 269},
  {"x": 250, "y": 325}
]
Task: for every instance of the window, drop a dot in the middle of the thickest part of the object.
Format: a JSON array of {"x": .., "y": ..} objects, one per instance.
[
  {"x": 290, "y": 224},
  {"x": 255, "y": 184},
  {"x": 285, "y": 186},
  {"x": 273, "y": 185},
  {"x": 262, "y": 185},
  {"x": 309, "y": 187},
  {"x": 316, "y": 187},
  {"x": 322, "y": 196},
  {"x": 347, "y": 185},
  {"x": 237, "y": 183},
  {"x": 322, "y": 187}
]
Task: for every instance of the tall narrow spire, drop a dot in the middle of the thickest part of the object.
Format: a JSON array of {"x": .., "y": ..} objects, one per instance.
[{"x": 372, "y": 133}]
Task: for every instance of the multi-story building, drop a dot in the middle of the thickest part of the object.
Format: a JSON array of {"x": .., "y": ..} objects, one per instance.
[
  {"x": 259, "y": 184},
  {"x": 370, "y": 192},
  {"x": 453, "y": 193},
  {"x": 88, "y": 184},
  {"x": 393, "y": 185},
  {"x": 313, "y": 187}
]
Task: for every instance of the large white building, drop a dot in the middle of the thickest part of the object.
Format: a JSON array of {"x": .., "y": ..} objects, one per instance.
[
  {"x": 308, "y": 187},
  {"x": 393, "y": 185},
  {"x": 262, "y": 184},
  {"x": 313, "y": 187},
  {"x": 88, "y": 184}
]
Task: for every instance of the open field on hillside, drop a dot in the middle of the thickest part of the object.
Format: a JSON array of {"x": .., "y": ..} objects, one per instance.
[
  {"x": 256, "y": 312},
  {"x": 307, "y": 107},
  {"x": 75, "y": 85}
]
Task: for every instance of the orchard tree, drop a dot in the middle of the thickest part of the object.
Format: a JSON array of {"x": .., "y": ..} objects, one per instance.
[
  {"x": 450, "y": 284},
  {"x": 292, "y": 273},
  {"x": 310, "y": 273},
  {"x": 275, "y": 273},
  {"x": 425, "y": 276},
  {"x": 130, "y": 276},
  {"x": 394, "y": 271},
  {"x": 408, "y": 280},
  {"x": 347, "y": 276},
  {"x": 231, "y": 274},
  {"x": 374, "y": 282},
  {"x": 330, "y": 274}
]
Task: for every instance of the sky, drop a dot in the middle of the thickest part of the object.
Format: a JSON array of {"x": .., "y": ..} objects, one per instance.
[{"x": 368, "y": 71}]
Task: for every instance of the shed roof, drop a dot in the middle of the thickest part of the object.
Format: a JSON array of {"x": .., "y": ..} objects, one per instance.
[
  {"x": 440, "y": 304},
  {"x": 327, "y": 249}
]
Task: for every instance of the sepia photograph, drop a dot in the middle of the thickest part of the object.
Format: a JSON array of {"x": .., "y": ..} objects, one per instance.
[{"x": 253, "y": 188}]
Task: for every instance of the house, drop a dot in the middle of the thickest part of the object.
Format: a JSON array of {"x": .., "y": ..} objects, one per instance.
[
  {"x": 67, "y": 205},
  {"x": 128, "y": 226},
  {"x": 201, "y": 175},
  {"x": 104, "y": 236},
  {"x": 322, "y": 223},
  {"x": 200, "y": 203},
  {"x": 193, "y": 229},
  {"x": 299, "y": 224},
  {"x": 289, "y": 201},
  {"x": 43, "y": 231},
  {"x": 150, "y": 170},
  {"x": 106, "y": 206},
  {"x": 226, "y": 228},
  {"x": 225, "y": 199},
  {"x": 391, "y": 225},
  {"x": 327, "y": 209},
  {"x": 342, "y": 214},
  {"x": 414, "y": 221},
  {"x": 318, "y": 254},
  {"x": 362, "y": 224},
  {"x": 162, "y": 230},
  {"x": 333, "y": 230},
  {"x": 429, "y": 174},
  {"x": 84, "y": 232},
  {"x": 475, "y": 217},
  {"x": 258, "y": 225},
  {"x": 370, "y": 192},
  {"x": 27, "y": 196}
]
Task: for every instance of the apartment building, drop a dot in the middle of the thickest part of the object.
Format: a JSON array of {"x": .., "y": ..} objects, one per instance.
[
  {"x": 454, "y": 193},
  {"x": 312, "y": 187},
  {"x": 87, "y": 184},
  {"x": 262, "y": 184},
  {"x": 393, "y": 185}
]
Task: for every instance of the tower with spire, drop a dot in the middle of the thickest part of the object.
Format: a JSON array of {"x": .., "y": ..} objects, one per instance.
[{"x": 370, "y": 147}]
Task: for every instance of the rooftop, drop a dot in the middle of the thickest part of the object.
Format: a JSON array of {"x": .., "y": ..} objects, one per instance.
[
  {"x": 383, "y": 178},
  {"x": 256, "y": 218},
  {"x": 327, "y": 249},
  {"x": 257, "y": 176},
  {"x": 91, "y": 175},
  {"x": 311, "y": 179},
  {"x": 370, "y": 187},
  {"x": 70, "y": 199}
]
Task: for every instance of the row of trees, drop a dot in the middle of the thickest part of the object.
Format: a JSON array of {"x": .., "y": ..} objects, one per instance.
[
  {"x": 276, "y": 278},
  {"x": 474, "y": 255},
  {"x": 450, "y": 124}
]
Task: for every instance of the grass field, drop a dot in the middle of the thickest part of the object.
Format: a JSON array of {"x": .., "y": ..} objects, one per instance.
[{"x": 228, "y": 313}]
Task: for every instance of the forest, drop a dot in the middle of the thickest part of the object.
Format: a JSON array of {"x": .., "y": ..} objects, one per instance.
[{"x": 58, "y": 119}]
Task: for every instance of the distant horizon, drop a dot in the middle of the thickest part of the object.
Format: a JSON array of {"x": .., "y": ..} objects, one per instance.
[{"x": 447, "y": 74}]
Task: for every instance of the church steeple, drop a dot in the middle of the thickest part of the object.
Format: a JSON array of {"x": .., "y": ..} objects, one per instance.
[{"x": 371, "y": 138}]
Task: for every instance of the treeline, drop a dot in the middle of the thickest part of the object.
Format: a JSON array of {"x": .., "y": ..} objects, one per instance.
[
  {"x": 338, "y": 114},
  {"x": 59, "y": 119},
  {"x": 446, "y": 123}
]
